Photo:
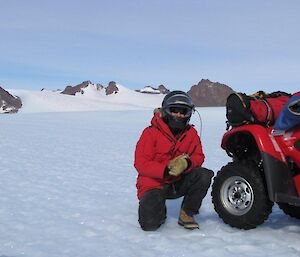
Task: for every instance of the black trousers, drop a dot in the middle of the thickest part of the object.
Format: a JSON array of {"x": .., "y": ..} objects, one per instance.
[{"x": 193, "y": 186}]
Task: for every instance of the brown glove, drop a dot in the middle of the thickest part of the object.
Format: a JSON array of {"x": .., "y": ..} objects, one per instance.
[{"x": 178, "y": 165}]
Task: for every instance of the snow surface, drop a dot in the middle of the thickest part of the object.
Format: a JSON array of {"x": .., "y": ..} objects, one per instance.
[{"x": 67, "y": 186}]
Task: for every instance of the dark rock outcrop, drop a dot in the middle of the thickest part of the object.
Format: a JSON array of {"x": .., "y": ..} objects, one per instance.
[
  {"x": 163, "y": 90},
  {"x": 8, "y": 102},
  {"x": 69, "y": 90},
  {"x": 208, "y": 93},
  {"x": 151, "y": 90},
  {"x": 111, "y": 88}
]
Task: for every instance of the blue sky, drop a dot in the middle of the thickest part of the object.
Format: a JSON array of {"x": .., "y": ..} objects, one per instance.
[{"x": 248, "y": 45}]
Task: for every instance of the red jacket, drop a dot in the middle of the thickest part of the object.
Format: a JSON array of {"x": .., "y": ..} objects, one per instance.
[{"x": 156, "y": 147}]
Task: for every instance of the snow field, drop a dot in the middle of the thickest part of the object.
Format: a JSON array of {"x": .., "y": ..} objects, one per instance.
[{"x": 68, "y": 190}]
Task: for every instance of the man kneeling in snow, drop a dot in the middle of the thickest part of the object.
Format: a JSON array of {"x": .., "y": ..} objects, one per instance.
[{"x": 168, "y": 158}]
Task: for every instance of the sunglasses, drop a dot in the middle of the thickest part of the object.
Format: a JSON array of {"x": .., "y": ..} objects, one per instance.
[{"x": 181, "y": 110}]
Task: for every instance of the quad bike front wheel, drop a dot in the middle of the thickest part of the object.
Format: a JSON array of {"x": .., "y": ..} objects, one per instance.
[{"x": 239, "y": 195}]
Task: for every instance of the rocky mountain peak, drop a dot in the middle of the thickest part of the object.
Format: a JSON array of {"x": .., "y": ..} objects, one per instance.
[
  {"x": 72, "y": 90},
  {"x": 163, "y": 90},
  {"x": 8, "y": 102},
  {"x": 111, "y": 88},
  {"x": 208, "y": 93}
]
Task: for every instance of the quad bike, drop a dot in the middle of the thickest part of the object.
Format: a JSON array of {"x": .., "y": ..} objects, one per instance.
[{"x": 264, "y": 170}]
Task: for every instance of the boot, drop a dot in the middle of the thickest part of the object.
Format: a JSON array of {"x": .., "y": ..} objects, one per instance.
[{"x": 187, "y": 221}]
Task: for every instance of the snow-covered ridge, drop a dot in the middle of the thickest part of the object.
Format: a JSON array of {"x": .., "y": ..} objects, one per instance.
[
  {"x": 90, "y": 98},
  {"x": 150, "y": 90}
]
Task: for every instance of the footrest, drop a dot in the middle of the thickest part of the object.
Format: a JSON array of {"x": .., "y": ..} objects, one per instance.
[{"x": 283, "y": 198}]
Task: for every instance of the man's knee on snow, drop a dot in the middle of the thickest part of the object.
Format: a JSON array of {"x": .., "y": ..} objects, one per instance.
[
  {"x": 149, "y": 225},
  {"x": 152, "y": 210}
]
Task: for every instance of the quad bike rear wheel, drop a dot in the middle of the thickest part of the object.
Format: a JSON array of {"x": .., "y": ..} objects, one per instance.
[
  {"x": 239, "y": 195},
  {"x": 293, "y": 211}
]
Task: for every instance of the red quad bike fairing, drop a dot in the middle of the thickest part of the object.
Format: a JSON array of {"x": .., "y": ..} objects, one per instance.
[
  {"x": 280, "y": 155},
  {"x": 264, "y": 170}
]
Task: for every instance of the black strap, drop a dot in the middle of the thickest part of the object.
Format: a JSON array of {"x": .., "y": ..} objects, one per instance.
[{"x": 269, "y": 113}]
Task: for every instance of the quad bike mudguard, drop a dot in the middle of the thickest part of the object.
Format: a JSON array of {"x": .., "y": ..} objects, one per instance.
[{"x": 255, "y": 140}]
